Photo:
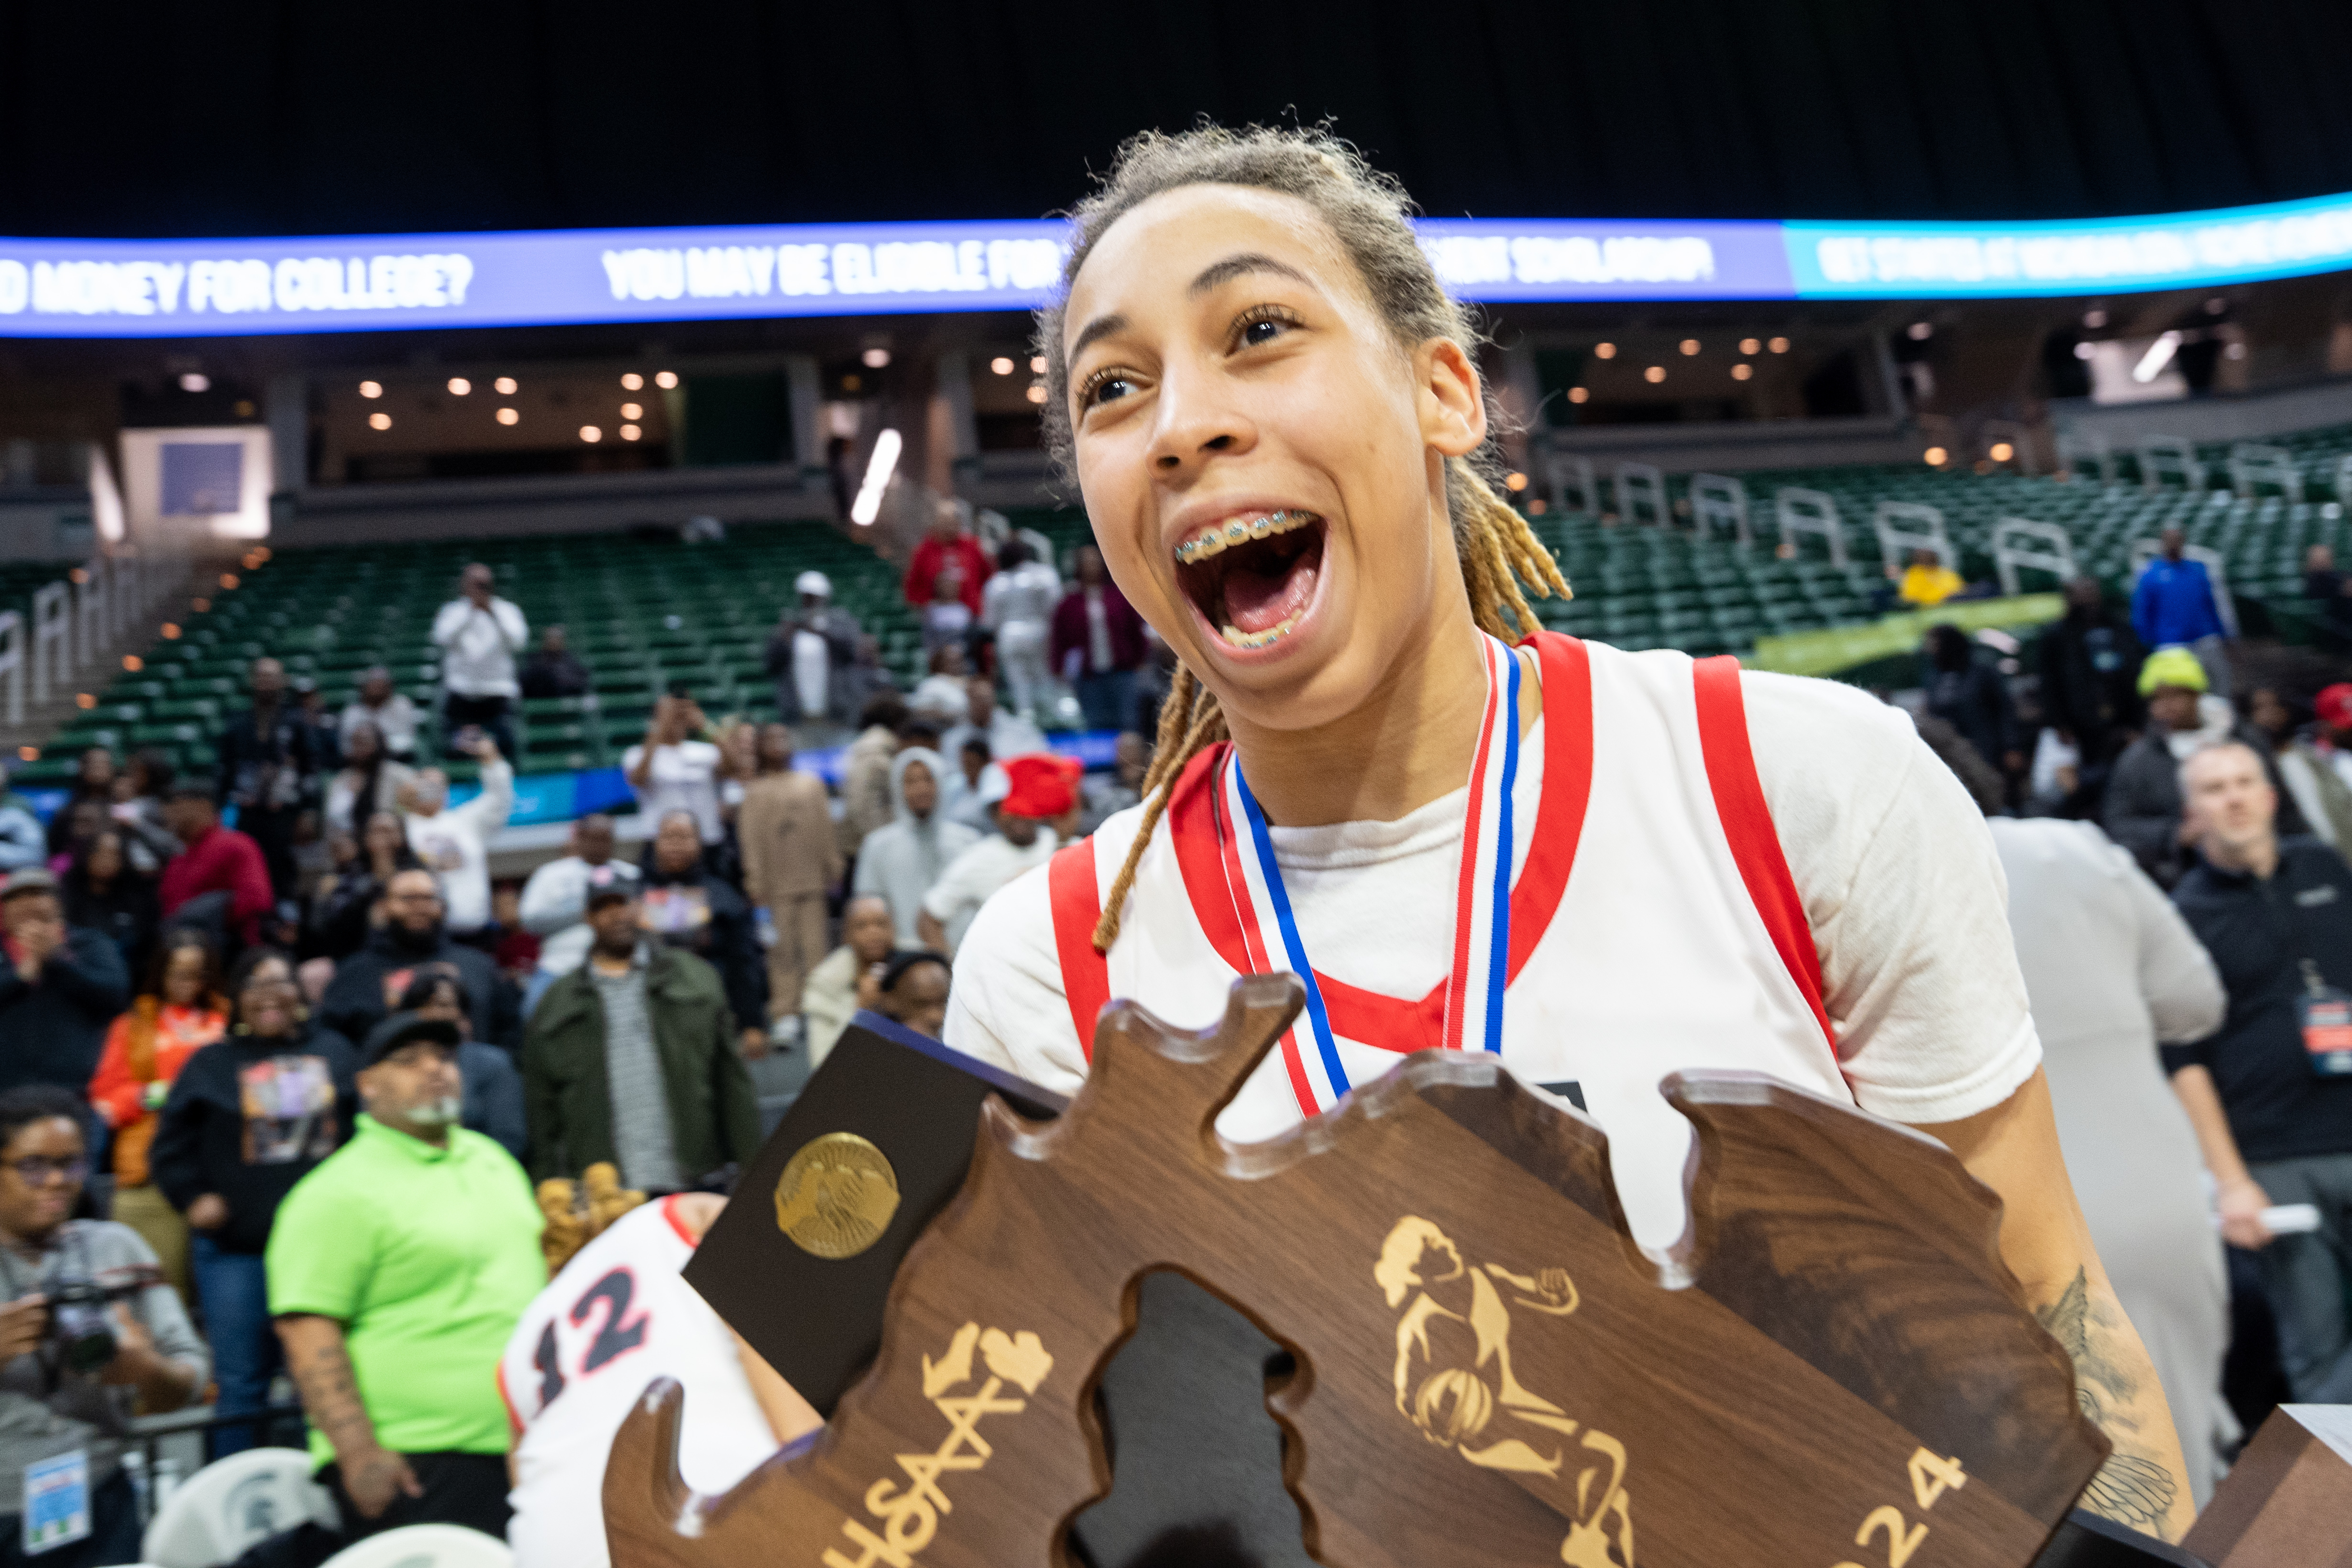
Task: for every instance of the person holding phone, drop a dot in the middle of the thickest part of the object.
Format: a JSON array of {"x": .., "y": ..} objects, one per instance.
[{"x": 479, "y": 634}]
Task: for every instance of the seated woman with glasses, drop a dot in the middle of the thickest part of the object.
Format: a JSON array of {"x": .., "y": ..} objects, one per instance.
[
  {"x": 88, "y": 1327},
  {"x": 249, "y": 1116}
]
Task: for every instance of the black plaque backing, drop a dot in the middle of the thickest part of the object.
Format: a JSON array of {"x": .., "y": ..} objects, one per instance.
[{"x": 818, "y": 1321}]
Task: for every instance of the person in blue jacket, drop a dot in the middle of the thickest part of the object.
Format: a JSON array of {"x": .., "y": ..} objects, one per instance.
[{"x": 2174, "y": 606}]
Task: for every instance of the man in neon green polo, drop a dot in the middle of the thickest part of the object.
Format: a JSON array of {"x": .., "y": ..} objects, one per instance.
[{"x": 397, "y": 1270}]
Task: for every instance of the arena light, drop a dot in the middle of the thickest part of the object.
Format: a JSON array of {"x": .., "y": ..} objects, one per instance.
[
  {"x": 370, "y": 389},
  {"x": 1655, "y": 374},
  {"x": 632, "y": 411},
  {"x": 1038, "y": 364},
  {"x": 591, "y": 434},
  {"x": 1935, "y": 456},
  {"x": 1579, "y": 394},
  {"x": 505, "y": 386},
  {"x": 633, "y": 382},
  {"x": 1689, "y": 346},
  {"x": 509, "y": 416},
  {"x": 1036, "y": 392},
  {"x": 379, "y": 420},
  {"x": 631, "y": 432},
  {"x": 1751, "y": 345},
  {"x": 2159, "y": 354},
  {"x": 875, "y": 358},
  {"x": 1002, "y": 365},
  {"x": 1741, "y": 371},
  {"x": 1779, "y": 345},
  {"x": 459, "y": 386},
  {"x": 2000, "y": 452},
  {"x": 665, "y": 380},
  {"x": 1604, "y": 350},
  {"x": 196, "y": 382},
  {"x": 879, "y": 469}
]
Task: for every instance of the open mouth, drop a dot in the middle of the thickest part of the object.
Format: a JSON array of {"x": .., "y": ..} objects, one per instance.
[{"x": 1252, "y": 575}]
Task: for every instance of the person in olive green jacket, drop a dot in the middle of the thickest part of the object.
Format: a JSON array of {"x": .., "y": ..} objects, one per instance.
[{"x": 632, "y": 1058}]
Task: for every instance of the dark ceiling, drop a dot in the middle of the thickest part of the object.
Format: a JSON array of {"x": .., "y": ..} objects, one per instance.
[{"x": 235, "y": 117}]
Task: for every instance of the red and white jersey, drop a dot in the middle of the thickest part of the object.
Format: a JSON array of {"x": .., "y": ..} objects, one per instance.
[
  {"x": 1711, "y": 869},
  {"x": 617, "y": 1317}
]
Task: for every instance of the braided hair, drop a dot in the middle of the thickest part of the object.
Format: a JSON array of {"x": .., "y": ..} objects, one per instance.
[{"x": 1367, "y": 211}]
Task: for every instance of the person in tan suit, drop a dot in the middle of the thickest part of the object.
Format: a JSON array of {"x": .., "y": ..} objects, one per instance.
[{"x": 791, "y": 856}]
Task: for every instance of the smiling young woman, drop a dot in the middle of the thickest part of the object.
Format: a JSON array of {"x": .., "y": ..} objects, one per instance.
[{"x": 1375, "y": 771}]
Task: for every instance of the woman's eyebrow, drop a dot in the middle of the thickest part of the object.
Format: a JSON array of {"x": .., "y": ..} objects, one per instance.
[
  {"x": 1100, "y": 327},
  {"x": 1234, "y": 266}
]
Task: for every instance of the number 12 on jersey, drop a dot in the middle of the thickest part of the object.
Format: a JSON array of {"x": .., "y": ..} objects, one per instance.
[{"x": 615, "y": 1335}]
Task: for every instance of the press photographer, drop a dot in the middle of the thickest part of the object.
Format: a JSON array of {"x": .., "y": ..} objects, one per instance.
[{"x": 88, "y": 1325}]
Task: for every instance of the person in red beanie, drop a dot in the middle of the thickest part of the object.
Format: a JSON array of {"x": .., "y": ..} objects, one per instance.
[{"x": 1039, "y": 809}]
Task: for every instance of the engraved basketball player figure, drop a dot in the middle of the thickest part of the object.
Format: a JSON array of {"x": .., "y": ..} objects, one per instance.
[{"x": 1455, "y": 1381}]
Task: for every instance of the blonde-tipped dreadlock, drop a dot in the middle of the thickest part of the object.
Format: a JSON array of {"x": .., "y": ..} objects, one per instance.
[{"x": 1368, "y": 212}]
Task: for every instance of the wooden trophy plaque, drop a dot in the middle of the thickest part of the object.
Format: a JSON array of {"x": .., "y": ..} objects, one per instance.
[{"x": 1831, "y": 1370}]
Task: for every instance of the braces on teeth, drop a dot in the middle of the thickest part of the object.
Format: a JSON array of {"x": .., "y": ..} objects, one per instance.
[
  {"x": 1226, "y": 536},
  {"x": 1272, "y": 635}
]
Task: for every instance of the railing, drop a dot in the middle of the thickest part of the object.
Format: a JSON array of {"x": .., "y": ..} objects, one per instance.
[
  {"x": 75, "y": 619},
  {"x": 141, "y": 1454},
  {"x": 1906, "y": 525}
]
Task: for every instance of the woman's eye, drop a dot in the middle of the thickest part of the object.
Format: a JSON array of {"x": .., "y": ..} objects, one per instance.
[
  {"x": 1105, "y": 389},
  {"x": 1259, "y": 333}
]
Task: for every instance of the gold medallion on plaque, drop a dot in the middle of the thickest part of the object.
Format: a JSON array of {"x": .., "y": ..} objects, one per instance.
[{"x": 836, "y": 1196}]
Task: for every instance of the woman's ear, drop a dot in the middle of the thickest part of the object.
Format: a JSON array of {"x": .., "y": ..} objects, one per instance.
[{"x": 1452, "y": 408}]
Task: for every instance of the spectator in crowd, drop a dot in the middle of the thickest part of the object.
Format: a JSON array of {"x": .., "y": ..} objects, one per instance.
[
  {"x": 326, "y": 736},
  {"x": 685, "y": 905},
  {"x": 181, "y": 1010},
  {"x": 554, "y": 670},
  {"x": 85, "y": 821},
  {"x": 1044, "y": 791},
  {"x": 394, "y": 716},
  {"x": 1122, "y": 787},
  {"x": 369, "y": 781},
  {"x": 1018, "y": 606},
  {"x": 94, "y": 776},
  {"x": 343, "y": 911},
  {"x": 946, "y": 577},
  {"x": 397, "y": 1268},
  {"x": 2090, "y": 663},
  {"x": 103, "y": 893},
  {"x": 369, "y": 984},
  {"x": 912, "y": 990},
  {"x": 1927, "y": 582},
  {"x": 265, "y": 769},
  {"x": 60, "y": 987},
  {"x": 813, "y": 656},
  {"x": 555, "y": 902},
  {"x": 866, "y": 770},
  {"x": 2329, "y": 591},
  {"x": 743, "y": 1409},
  {"x": 2174, "y": 606},
  {"x": 792, "y": 860},
  {"x": 2273, "y": 1119},
  {"x": 479, "y": 634},
  {"x": 673, "y": 769},
  {"x": 141, "y": 793},
  {"x": 939, "y": 697},
  {"x": 248, "y": 1116},
  {"x": 632, "y": 1059},
  {"x": 517, "y": 953},
  {"x": 1969, "y": 696},
  {"x": 835, "y": 988},
  {"x": 2313, "y": 779},
  {"x": 53, "y": 1412},
  {"x": 1007, "y": 734},
  {"x": 1098, "y": 644},
  {"x": 488, "y": 1079},
  {"x": 906, "y": 859},
  {"x": 2111, "y": 970},
  {"x": 22, "y": 842},
  {"x": 217, "y": 864},
  {"x": 2144, "y": 800},
  {"x": 972, "y": 786},
  {"x": 454, "y": 840}
]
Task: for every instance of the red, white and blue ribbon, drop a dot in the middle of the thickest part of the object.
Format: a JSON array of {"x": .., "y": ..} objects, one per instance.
[{"x": 1480, "y": 967}]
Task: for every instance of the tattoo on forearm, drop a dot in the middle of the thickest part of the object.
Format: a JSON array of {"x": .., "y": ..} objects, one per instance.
[
  {"x": 2132, "y": 1488},
  {"x": 330, "y": 1396}
]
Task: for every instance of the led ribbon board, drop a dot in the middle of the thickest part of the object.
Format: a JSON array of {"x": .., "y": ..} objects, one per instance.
[{"x": 226, "y": 287}]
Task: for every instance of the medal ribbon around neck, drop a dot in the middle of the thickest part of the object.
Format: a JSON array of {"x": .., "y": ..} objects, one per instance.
[{"x": 1482, "y": 912}]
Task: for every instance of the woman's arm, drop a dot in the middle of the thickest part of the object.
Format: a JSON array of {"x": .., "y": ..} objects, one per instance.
[{"x": 2013, "y": 1149}]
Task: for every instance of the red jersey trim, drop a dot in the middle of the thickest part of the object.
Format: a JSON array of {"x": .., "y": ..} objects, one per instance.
[
  {"x": 1748, "y": 828},
  {"x": 669, "y": 1213},
  {"x": 1077, "y": 905},
  {"x": 1394, "y": 1023}
]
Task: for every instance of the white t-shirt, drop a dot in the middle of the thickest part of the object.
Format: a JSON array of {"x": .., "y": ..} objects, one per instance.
[
  {"x": 455, "y": 843},
  {"x": 1655, "y": 959},
  {"x": 684, "y": 779},
  {"x": 974, "y": 875},
  {"x": 614, "y": 1318},
  {"x": 811, "y": 668}
]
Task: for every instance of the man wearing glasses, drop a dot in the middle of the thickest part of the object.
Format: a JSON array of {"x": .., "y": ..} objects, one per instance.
[{"x": 412, "y": 942}]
